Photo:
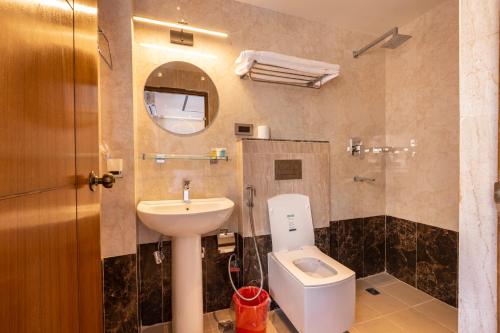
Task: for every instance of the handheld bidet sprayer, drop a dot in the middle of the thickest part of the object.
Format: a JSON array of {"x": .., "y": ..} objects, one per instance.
[{"x": 251, "y": 193}]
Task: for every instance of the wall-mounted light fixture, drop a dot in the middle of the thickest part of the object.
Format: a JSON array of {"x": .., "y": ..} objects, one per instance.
[
  {"x": 180, "y": 36},
  {"x": 184, "y": 52}
]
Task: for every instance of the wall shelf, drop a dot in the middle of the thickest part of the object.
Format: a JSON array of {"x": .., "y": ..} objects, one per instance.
[{"x": 162, "y": 158}]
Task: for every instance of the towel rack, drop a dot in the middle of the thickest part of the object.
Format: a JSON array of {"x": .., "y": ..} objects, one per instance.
[{"x": 280, "y": 75}]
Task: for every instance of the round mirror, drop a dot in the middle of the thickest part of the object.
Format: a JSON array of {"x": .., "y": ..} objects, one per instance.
[{"x": 181, "y": 98}]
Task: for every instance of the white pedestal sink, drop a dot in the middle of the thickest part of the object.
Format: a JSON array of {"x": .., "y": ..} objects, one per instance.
[{"x": 186, "y": 222}]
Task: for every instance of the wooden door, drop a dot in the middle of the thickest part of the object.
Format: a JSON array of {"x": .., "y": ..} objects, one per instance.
[
  {"x": 87, "y": 159},
  {"x": 49, "y": 245}
]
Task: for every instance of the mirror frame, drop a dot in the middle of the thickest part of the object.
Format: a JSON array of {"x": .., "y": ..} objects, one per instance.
[{"x": 183, "y": 91}]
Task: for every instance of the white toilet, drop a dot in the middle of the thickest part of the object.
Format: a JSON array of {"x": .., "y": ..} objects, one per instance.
[{"x": 315, "y": 292}]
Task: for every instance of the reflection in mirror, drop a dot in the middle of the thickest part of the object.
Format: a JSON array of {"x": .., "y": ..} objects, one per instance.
[{"x": 181, "y": 98}]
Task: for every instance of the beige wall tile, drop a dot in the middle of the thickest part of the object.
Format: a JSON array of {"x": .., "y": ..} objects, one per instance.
[
  {"x": 118, "y": 225},
  {"x": 258, "y": 158},
  {"x": 351, "y": 105},
  {"x": 422, "y": 185}
]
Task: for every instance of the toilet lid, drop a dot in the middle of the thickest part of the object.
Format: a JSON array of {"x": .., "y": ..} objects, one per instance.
[{"x": 291, "y": 222}]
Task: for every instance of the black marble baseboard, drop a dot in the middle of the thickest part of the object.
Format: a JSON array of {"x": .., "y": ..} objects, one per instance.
[
  {"x": 251, "y": 273},
  {"x": 217, "y": 290},
  {"x": 120, "y": 294},
  {"x": 425, "y": 257},
  {"x": 322, "y": 239},
  {"x": 437, "y": 263},
  {"x": 359, "y": 244},
  {"x": 374, "y": 256},
  {"x": 155, "y": 281},
  {"x": 155, "y": 293},
  {"x": 401, "y": 244},
  {"x": 350, "y": 240}
]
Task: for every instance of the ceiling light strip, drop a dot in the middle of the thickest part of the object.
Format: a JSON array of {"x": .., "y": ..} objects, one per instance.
[{"x": 180, "y": 26}]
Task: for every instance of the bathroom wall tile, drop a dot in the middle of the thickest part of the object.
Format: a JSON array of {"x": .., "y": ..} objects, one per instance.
[
  {"x": 374, "y": 245},
  {"x": 287, "y": 110},
  {"x": 150, "y": 286},
  {"x": 166, "y": 281},
  {"x": 334, "y": 241},
  {"x": 116, "y": 85},
  {"x": 156, "y": 281},
  {"x": 350, "y": 237},
  {"x": 437, "y": 262},
  {"x": 217, "y": 287},
  {"x": 155, "y": 284},
  {"x": 322, "y": 239},
  {"x": 120, "y": 294},
  {"x": 258, "y": 158},
  {"x": 251, "y": 275},
  {"x": 422, "y": 104},
  {"x": 401, "y": 242}
]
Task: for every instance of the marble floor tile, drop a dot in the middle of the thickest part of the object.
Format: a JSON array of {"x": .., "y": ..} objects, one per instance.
[
  {"x": 441, "y": 312},
  {"x": 412, "y": 321},
  {"x": 406, "y": 293},
  {"x": 378, "y": 280},
  {"x": 384, "y": 303},
  {"x": 381, "y": 325},
  {"x": 384, "y": 313},
  {"x": 365, "y": 313}
]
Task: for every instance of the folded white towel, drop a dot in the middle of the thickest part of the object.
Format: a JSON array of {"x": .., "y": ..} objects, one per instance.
[{"x": 305, "y": 66}]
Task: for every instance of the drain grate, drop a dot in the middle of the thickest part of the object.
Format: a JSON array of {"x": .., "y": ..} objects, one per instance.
[{"x": 373, "y": 291}]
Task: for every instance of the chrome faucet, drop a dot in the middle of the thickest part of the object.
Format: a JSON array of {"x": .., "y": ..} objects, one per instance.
[{"x": 185, "y": 196}]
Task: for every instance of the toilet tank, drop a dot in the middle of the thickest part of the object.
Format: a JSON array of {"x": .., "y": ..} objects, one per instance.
[{"x": 291, "y": 222}]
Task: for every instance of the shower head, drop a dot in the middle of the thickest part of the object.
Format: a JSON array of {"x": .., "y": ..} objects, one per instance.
[{"x": 396, "y": 39}]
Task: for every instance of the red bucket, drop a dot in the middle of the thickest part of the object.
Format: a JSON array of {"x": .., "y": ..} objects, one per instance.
[{"x": 251, "y": 316}]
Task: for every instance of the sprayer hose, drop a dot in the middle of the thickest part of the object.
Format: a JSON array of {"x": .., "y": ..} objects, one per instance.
[{"x": 252, "y": 225}]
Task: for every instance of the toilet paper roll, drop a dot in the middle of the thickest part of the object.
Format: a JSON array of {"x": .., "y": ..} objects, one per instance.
[{"x": 263, "y": 132}]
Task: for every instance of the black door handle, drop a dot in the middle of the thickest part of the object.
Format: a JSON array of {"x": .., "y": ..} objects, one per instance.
[{"x": 106, "y": 181}]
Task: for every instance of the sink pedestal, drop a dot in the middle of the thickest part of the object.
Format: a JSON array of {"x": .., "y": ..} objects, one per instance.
[
  {"x": 187, "y": 286},
  {"x": 185, "y": 222}
]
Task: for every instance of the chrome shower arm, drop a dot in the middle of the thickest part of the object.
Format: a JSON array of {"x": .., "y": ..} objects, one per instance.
[{"x": 392, "y": 32}]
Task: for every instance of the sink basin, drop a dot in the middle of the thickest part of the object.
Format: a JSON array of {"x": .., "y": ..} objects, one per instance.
[
  {"x": 177, "y": 218},
  {"x": 186, "y": 222}
]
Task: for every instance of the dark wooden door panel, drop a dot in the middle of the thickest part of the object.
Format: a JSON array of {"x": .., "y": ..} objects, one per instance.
[{"x": 36, "y": 96}]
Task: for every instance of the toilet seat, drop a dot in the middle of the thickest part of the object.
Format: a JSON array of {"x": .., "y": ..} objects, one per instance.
[{"x": 288, "y": 259}]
